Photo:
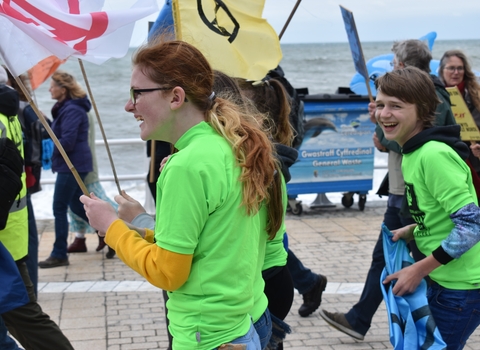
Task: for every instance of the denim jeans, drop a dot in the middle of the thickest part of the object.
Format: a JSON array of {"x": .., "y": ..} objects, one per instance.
[
  {"x": 264, "y": 328},
  {"x": 456, "y": 313},
  {"x": 67, "y": 194},
  {"x": 303, "y": 278},
  {"x": 6, "y": 343},
  {"x": 251, "y": 340},
  {"x": 361, "y": 314}
]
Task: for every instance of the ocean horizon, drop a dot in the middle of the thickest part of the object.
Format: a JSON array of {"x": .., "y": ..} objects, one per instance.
[{"x": 320, "y": 67}]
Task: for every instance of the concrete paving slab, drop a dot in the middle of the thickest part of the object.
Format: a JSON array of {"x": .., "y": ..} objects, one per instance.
[{"x": 102, "y": 304}]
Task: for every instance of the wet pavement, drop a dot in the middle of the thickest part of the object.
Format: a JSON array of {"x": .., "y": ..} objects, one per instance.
[{"x": 100, "y": 303}]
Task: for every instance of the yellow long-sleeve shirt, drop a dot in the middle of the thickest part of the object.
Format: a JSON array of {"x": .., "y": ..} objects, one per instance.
[{"x": 162, "y": 268}]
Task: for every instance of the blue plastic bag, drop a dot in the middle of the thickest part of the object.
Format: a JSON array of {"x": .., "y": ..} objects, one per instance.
[
  {"x": 47, "y": 152},
  {"x": 411, "y": 323}
]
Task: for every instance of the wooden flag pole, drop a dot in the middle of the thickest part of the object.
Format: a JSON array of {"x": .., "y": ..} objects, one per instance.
[
  {"x": 151, "y": 178},
  {"x": 289, "y": 19},
  {"x": 370, "y": 96},
  {"x": 54, "y": 138},
  {"x": 100, "y": 125}
]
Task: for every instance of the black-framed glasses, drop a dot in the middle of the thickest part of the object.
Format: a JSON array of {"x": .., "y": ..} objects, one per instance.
[
  {"x": 452, "y": 69},
  {"x": 135, "y": 92}
]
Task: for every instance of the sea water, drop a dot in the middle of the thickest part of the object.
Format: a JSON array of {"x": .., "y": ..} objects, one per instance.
[{"x": 321, "y": 67}]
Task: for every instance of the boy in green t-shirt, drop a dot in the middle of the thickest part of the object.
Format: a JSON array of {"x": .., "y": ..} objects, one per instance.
[{"x": 442, "y": 200}]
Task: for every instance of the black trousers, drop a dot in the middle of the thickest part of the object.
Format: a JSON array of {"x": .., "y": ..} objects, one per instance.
[
  {"x": 31, "y": 326},
  {"x": 279, "y": 292}
]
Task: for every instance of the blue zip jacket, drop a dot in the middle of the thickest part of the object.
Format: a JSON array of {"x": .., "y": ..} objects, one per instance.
[{"x": 70, "y": 125}]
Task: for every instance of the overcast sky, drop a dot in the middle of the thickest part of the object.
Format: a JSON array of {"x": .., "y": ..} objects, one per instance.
[{"x": 376, "y": 20}]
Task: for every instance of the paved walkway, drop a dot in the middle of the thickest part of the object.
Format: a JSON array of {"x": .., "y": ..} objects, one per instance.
[{"x": 101, "y": 304}]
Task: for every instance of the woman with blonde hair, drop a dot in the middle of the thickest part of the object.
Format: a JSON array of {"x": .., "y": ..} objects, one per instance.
[
  {"x": 204, "y": 248},
  {"x": 70, "y": 125}
]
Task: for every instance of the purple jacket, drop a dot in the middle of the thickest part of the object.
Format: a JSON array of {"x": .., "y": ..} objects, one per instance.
[{"x": 70, "y": 125}]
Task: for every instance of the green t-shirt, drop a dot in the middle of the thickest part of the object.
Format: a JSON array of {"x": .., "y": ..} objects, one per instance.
[
  {"x": 198, "y": 212},
  {"x": 438, "y": 183},
  {"x": 275, "y": 254}
]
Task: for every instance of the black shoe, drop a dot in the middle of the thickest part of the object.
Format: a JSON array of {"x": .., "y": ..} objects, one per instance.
[
  {"x": 110, "y": 254},
  {"x": 53, "y": 262},
  {"x": 313, "y": 298},
  {"x": 339, "y": 321}
]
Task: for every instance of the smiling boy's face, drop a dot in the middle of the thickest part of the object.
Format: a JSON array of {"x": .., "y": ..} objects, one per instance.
[{"x": 398, "y": 120}]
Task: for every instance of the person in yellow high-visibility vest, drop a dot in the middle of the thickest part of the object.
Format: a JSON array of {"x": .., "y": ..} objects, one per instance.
[{"x": 28, "y": 323}]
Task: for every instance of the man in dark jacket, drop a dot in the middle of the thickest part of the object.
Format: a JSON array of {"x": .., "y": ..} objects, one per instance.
[{"x": 356, "y": 322}]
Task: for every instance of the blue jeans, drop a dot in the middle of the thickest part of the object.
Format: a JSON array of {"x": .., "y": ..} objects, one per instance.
[
  {"x": 361, "y": 314},
  {"x": 67, "y": 194},
  {"x": 456, "y": 313},
  {"x": 251, "y": 340},
  {"x": 303, "y": 278},
  {"x": 6, "y": 343},
  {"x": 32, "y": 262},
  {"x": 264, "y": 328}
]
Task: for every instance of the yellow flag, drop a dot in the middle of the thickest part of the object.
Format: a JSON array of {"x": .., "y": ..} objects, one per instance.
[
  {"x": 463, "y": 117},
  {"x": 231, "y": 34}
]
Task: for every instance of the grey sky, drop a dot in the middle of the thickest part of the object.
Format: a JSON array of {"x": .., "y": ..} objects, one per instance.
[{"x": 376, "y": 20}]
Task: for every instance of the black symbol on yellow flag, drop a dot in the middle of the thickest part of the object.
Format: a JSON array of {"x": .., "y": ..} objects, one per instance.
[{"x": 228, "y": 30}]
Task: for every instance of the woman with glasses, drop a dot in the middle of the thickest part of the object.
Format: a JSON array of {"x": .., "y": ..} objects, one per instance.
[
  {"x": 455, "y": 70},
  {"x": 205, "y": 245},
  {"x": 70, "y": 125}
]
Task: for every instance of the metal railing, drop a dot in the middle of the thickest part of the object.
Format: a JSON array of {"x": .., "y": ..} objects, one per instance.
[
  {"x": 108, "y": 178},
  {"x": 141, "y": 177},
  {"x": 132, "y": 177}
]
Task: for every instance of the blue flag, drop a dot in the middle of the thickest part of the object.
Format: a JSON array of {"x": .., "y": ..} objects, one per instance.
[
  {"x": 354, "y": 41},
  {"x": 164, "y": 21}
]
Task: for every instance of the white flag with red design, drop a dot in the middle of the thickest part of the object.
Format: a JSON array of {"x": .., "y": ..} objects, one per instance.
[{"x": 32, "y": 30}]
